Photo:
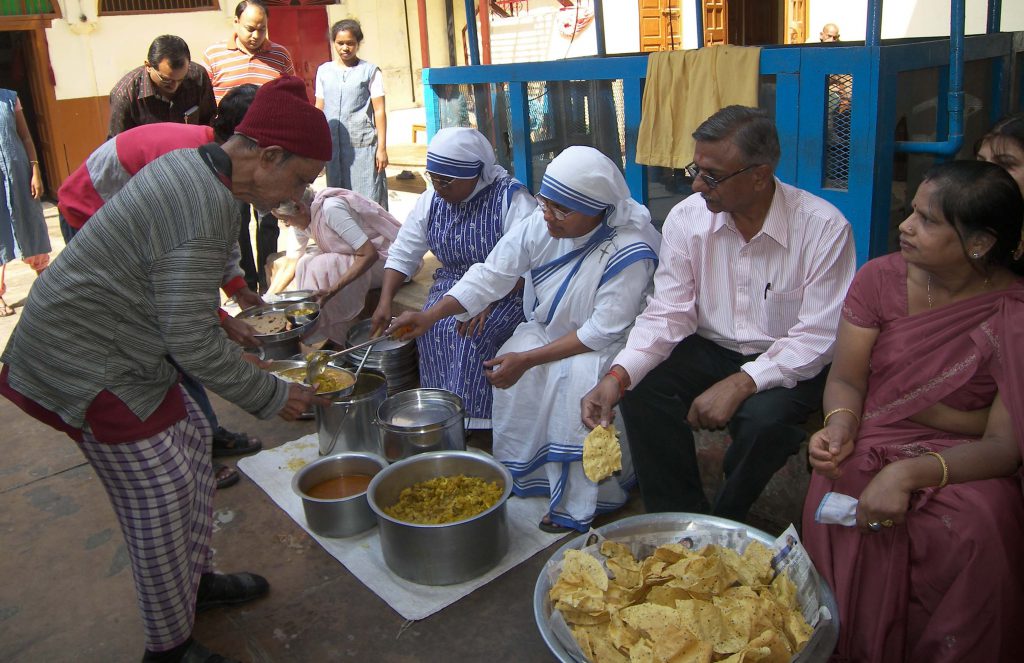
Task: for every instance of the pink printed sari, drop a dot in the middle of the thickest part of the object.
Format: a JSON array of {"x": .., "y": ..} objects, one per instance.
[
  {"x": 949, "y": 584},
  {"x": 324, "y": 266}
]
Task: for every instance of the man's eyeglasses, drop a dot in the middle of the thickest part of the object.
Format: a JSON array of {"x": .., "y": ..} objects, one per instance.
[
  {"x": 545, "y": 205},
  {"x": 693, "y": 171},
  {"x": 166, "y": 80},
  {"x": 440, "y": 181}
]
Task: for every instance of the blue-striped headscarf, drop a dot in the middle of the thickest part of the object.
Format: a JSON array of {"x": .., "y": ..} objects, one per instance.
[
  {"x": 463, "y": 153},
  {"x": 584, "y": 180}
]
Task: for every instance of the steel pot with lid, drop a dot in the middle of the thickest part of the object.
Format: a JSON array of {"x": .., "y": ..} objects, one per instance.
[{"x": 421, "y": 420}]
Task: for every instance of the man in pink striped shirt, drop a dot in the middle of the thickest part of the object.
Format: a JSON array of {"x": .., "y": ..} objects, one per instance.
[
  {"x": 741, "y": 326},
  {"x": 248, "y": 56}
]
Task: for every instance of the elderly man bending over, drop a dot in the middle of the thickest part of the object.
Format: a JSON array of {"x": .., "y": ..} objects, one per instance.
[
  {"x": 588, "y": 254},
  {"x": 135, "y": 291},
  {"x": 741, "y": 326}
]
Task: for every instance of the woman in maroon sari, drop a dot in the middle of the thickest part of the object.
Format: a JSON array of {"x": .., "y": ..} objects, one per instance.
[{"x": 924, "y": 414}]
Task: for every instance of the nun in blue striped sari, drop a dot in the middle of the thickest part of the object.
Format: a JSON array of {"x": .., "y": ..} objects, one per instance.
[
  {"x": 589, "y": 253},
  {"x": 471, "y": 204}
]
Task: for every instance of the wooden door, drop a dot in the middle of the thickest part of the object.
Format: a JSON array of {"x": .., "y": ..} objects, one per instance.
[
  {"x": 796, "y": 21},
  {"x": 716, "y": 22},
  {"x": 660, "y": 26},
  {"x": 303, "y": 31},
  {"x": 39, "y": 80}
]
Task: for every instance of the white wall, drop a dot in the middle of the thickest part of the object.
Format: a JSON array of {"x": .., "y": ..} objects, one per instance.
[{"x": 907, "y": 18}]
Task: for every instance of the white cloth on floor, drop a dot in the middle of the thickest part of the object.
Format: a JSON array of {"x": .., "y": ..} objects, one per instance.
[{"x": 272, "y": 470}]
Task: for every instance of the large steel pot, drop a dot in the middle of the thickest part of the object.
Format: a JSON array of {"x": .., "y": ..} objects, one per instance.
[
  {"x": 421, "y": 420},
  {"x": 347, "y": 424},
  {"x": 337, "y": 517},
  {"x": 441, "y": 554},
  {"x": 281, "y": 345}
]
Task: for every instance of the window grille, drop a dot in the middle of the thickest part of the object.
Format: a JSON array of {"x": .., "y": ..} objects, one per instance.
[{"x": 108, "y": 7}]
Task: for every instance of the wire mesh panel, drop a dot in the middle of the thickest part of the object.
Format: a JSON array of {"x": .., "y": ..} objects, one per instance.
[
  {"x": 481, "y": 106},
  {"x": 564, "y": 113},
  {"x": 150, "y": 6},
  {"x": 838, "y": 111}
]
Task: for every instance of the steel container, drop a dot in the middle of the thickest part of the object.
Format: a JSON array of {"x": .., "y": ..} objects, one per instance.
[
  {"x": 337, "y": 517},
  {"x": 294, "y": 296},
  {"x": 421, "y": 420},
  {"x": 819, "y": 648},
  {"x": 281, "y": 345},
  {"x": 301, "y": 313},
  {"x": 348, "y": 423},
  {"x": 397, "y": 360},
  {"x": 441, "y": 554},
  {"x": 278, "y": 365}
]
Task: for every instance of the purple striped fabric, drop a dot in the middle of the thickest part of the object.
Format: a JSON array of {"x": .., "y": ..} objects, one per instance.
[{"x": 162, "y": 489}]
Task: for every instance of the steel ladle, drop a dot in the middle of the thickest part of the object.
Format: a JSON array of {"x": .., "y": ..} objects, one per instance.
[{"x": 317, "y": 361}]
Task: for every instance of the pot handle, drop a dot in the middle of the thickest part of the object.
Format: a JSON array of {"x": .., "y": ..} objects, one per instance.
[{"x": 337, "y": 433}]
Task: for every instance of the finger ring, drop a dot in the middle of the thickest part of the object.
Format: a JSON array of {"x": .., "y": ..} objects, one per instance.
[
  {"x": 887, "y": 522},
  {"x": 875, "y": 526}
]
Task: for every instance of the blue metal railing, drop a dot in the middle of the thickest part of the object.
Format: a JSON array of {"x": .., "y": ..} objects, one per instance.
[{"x": 797, "y": 81}]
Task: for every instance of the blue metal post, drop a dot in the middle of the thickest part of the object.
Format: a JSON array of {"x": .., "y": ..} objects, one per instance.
[
  {"x": 955, "y": 93},
  {"x": 599, "y": 27},
  {"x": 519, "y": 102},
  {"x": 474, "y": 45},
  {"x": 873, "y": 29},
  {"x": 700, "y": 23},
  {"x": 995, "y": 16}
]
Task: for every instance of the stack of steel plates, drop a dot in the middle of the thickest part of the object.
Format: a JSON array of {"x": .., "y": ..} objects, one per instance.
[{"x": 397, "y": 360}]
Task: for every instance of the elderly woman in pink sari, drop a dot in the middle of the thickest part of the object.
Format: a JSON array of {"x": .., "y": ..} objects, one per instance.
[
  {"x": 352, "y": 235},
  {"x": 924, "y": 420}
]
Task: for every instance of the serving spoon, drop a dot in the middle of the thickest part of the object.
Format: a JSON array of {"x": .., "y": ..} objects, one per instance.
[{"x": 316, "y": 362}]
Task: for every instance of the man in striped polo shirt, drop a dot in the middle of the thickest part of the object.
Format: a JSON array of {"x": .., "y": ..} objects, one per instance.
[
  {"x": 741, "y": 327},
  {"x": 248, "y": 56}
]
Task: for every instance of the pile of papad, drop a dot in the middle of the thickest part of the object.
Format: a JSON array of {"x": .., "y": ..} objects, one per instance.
[{"x": 679, "y": 605}]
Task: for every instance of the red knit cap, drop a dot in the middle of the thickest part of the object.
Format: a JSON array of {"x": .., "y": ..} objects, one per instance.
[{"x": 281, "y": 115}]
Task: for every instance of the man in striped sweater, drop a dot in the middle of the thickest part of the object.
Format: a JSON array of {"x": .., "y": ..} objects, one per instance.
[
  {"x": 109, "y": 168},
  {"x": 741, "y": 327},
  {"x": 92, "y": 353},
  {"x": 248, "y": 56}
]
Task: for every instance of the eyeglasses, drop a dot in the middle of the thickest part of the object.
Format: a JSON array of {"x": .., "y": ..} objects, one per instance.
[
  {"x": 440, "y": 181},
  {"x": 693, "y": 170},
  {"x": 166, "y": 80},
  {"x": 545, "y": 205}
]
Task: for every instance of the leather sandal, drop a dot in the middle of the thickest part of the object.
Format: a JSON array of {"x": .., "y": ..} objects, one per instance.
[
  {"x": 226, "y": 443},
  {"x": 551, "y": 527},
  {"x": 225, "y": 475},
  {"x": 217, "y": 589}
]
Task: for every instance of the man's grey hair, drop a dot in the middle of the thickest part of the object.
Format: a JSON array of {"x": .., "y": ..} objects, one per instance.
[{"x": 749, "y": 129}]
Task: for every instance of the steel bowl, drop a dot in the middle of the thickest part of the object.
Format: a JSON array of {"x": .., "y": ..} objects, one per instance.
[
  {"x": 441, "y": 554},
  {"x": 293, "y": 296},
  {"x": 302, "y": 313},
  {"x": 337, "y": 517},
  {"x": 278, "y": 366},
  {"x": 654, "y": 525},
  {"x": 281, "y": 345}
]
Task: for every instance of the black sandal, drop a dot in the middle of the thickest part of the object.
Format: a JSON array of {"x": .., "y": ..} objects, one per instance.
[
  {"x": 216, "y": 589},
  {"x": 230, "y": 478},
  {"x": 196, "y": 653},
  {"x": 547, "y": 525},
  {"x": 226, "y": 443}
]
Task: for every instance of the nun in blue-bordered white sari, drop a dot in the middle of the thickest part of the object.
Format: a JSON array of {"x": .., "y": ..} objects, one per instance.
[
  {"x": 582, "y": 295},
  {"x": 460, "y": 233}
]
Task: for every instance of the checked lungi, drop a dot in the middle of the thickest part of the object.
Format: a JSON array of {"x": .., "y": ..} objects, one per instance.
[{"x": 162, "y": 489}]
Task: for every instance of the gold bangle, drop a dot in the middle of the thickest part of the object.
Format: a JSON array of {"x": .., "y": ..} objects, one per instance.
[
  {"x": 945, "y": 468},
  {"x": 837, "y": 411}
]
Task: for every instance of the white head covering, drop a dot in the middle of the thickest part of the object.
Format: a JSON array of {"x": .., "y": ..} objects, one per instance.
[
  {"x": 463, "y": 153},
  {"x": 584, "y": 180}
]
